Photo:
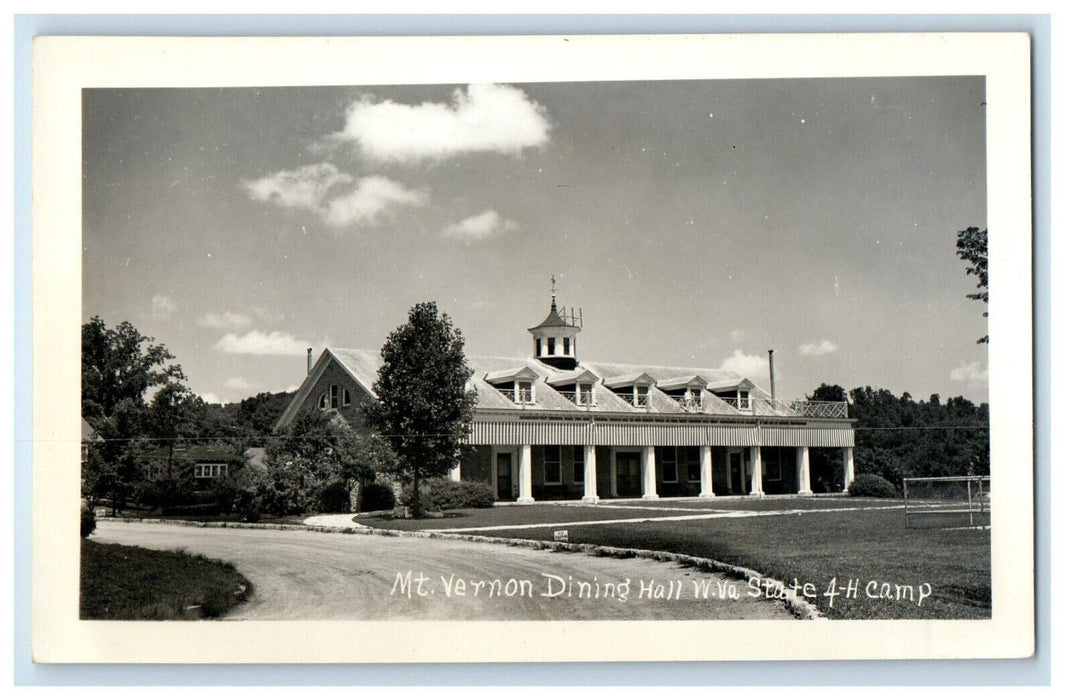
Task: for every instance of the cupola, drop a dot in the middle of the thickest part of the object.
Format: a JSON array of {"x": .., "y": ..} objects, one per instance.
[{"x": 555, "y": 339}]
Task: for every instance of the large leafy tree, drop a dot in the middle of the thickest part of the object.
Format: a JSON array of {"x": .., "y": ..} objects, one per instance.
[
  {"x": 972, "y": 248},
  {"x": 423, "y": 408},
  {"x": 121, "y": 370}
]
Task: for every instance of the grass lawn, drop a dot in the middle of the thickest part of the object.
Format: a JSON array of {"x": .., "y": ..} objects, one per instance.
[
  {"x": 508, "y": 515},
  {"x": 131, "y": 583},
  {"x": 846, "y": 545}
]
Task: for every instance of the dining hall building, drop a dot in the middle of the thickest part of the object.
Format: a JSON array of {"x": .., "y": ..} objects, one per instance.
[{"x": 554, "y": 427}]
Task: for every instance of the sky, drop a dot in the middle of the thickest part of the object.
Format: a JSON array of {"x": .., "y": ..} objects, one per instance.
[{"x": 696, "y": 223}]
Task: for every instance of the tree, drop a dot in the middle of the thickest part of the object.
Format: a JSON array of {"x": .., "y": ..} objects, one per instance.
[
  {"x": 120, "y": 367},
  {"x": 423, "y": 408},
  {"x": 319, "y": 452},
  {"x": 972, "y": 248}
]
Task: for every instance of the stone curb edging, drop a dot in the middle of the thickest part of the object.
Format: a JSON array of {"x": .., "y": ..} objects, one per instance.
[{"x": 796, "y": 604}]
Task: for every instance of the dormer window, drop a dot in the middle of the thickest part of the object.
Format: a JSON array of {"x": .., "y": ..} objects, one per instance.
[
  {"x": 517, "y": 385},
  {"x": 584, "y": 395},
  {"x": 635, "y": 389}
]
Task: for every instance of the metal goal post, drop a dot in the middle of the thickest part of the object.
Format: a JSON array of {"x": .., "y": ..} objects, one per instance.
[{"x": 943, "y": 501}]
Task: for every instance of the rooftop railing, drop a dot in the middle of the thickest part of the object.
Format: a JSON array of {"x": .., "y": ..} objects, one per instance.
[{"x": 812, "y": 409}]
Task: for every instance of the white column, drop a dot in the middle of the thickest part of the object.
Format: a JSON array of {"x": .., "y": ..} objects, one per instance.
[
  {"x": 647, "y": 480},
  {"x": 456, "y": 470},
  {"x": 757, "y": 472},
  {"x": 848, "y": 466},
  {"x": 707, "y": 483},
  {"x": 524, "y": 476},
  {"x": 803, "y": 471},
  {"x": 590, "y": 495}
]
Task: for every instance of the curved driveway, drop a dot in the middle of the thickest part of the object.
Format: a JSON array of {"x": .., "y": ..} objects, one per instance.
[{"x": 305, "y": 575}]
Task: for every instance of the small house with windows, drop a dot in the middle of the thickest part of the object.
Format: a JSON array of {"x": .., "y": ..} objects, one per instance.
[
  {"x": 202, "y": 465},
  {"x": 554, "y": 426}
]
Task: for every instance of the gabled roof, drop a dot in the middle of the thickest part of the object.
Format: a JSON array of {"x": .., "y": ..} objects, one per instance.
[
  {"x": 722, "y": 385},
  {"x": 523, "y": 372},
  {"x": 641, "y": 378},
  {"x": 573, "y": 377},
  {"x": 363, "y": 366},
  {"x": 89, "y": 434},
  {"x": 691, "y": 381}
]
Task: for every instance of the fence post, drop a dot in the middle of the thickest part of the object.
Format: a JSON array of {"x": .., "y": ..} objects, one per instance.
[
  {"x": 971, "y": 511},
  {"x": 904, "y": 489}
]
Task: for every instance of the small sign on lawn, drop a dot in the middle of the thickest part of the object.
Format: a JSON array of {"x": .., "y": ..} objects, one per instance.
[{"x": 561, "y": 535}]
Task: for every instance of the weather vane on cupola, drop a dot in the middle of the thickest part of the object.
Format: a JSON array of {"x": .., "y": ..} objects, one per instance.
[{"x": 556, "y": 337}]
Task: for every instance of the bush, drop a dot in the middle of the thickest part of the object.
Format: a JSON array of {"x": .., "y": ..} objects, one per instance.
[
  {"x": 334, "y": 498},
  {"x": 872, "y": 486},
  {"x": 193, "y": 509},
  {"x": 451, "y": 495},
  {"x": 376, "y": 497},
  {"x": 89, "y": 520}
]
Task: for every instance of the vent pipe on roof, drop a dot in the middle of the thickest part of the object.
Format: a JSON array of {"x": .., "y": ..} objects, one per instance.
[
  {"x": 308, "y": 361},
  {"x": 770, "y": 362}
]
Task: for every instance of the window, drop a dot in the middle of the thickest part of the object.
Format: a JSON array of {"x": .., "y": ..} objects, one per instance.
[
  {"x": 565, "y": 346},
  {"x": 692, "y": 463},
  {"x": 524, "y": 392},
  {"x": 584, "y": 395},
  {"x": 668, "y": 461},
  {"x": 745, "y": 401},
  {"x": 552, "y": 465},
  {"x": 550, "y": 346},
  {"x": 345, "y": 397},
  {"x": 210, "y": 471},
  {"x": 578, "y": 464},
  {"x": 334, "y": 395},
  {"x": 539, "y": 347},
  {"x": 322, "y": 402},
  {"x": 641, "y": 397}
]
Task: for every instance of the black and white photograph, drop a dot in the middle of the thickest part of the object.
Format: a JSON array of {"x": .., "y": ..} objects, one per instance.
[{"x": 562, "y": 351}]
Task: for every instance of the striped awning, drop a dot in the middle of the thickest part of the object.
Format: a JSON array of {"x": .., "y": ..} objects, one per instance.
[{"x": 642, "y": 434}]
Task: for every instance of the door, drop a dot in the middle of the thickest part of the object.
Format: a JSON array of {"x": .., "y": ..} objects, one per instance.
[
  {"x": 736, "y": 474},
  {"x": 504, "y": 480},
  {"x": 628, "y": 474}
]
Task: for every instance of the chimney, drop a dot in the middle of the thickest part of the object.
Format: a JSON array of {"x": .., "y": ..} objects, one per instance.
[
  {"x": 309, "y": 361},
  {"x": 770, "y": 361}
]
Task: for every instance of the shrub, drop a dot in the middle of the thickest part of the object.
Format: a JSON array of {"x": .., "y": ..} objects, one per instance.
[
  {"x": 334, "y": 498},
  {"x": 451, "y": 495},
  {"x": 89, "y": 520},
  {"x": 872, "y": 486},
  {"x": 376, "y": 496},
  {"x": 193, "y": 509}
]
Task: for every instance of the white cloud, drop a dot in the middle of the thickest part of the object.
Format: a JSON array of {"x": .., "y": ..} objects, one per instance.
[
  {"x": 209, "y": 397},
  {"x": 971, "y": 372},
  {"x": 302, "y": 188},
  {"x": 737, "y": 335},
  {"x": 259, "y": 343},
  {"x": 755, "y": 367},
  {"x": 239, "y": 383},
  {"x": 336, "y": 197},
  {"x": 480, "y": 118},
  {"x": 226, "y": 319},
  {"x": 823, "y": 347},
  {"x": 163, "y": 306},
  {"x": 373, "y": 195},
  {"x": 480, "y": 226}
]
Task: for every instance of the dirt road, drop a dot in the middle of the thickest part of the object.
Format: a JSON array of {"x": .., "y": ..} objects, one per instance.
[{"x": 306, "y": 575}]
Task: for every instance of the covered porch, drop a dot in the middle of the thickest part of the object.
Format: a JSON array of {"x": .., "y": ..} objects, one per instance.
[{"x": 664, "y": 464}]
